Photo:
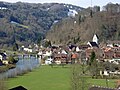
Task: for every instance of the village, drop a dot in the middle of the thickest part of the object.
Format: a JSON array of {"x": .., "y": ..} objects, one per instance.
[
  {"x": 74, "y": 54},
  {"x": 71, "y": 54}
]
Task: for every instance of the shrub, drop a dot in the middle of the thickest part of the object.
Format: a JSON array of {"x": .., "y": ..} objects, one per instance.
[
  {"x": 3, "y": 69},
  {"x": 12, "y": 60}
]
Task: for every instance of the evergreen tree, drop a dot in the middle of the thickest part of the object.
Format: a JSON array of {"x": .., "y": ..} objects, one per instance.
[
  {"x": 92, "y": 58},
  {"x": 93, "y": 65},
  {"x": 15, "y": 47}
]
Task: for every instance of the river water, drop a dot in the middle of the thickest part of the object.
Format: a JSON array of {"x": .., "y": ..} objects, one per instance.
[{"x": 23, "y": 66}]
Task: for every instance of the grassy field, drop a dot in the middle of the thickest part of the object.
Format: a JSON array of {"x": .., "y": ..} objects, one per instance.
[
  {"x": 47, "y": 78},
  {"x": 43, "y": 78}
]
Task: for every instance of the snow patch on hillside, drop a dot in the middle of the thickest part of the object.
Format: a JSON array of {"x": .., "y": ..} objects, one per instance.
[
  {"x": 3, "y": 8},
  {"x": 48, "y": 8},
  {"x": 72, "y": 12},
  {"x": 55, "y": 21}
]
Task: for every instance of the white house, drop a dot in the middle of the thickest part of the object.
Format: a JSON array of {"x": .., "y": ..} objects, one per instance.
[
  {"x": 109, "y": 45},
  {"x": 3, "y": 58},
  {"x": 63, "y": 52},
  {"x": 48, "y": 53},
  {"x": 40, "y": 53},
  {"x": 27, "y": 50},
  {"x": 77, "y": 49},
  {"x": 5, "y": 61},
  {"x": 48, "y": 61}
]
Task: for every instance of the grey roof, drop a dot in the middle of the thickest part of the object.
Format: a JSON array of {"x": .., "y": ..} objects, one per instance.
[
  {"x": 18, "y": 88},
  {"x": 3, "y": 54},
  {"x": 94, "y": 44}
]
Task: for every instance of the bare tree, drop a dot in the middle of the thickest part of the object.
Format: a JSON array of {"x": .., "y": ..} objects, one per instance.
[{"x": 78, "y": 78}]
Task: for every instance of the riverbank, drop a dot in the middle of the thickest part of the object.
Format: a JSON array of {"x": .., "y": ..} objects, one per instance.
[
  {"x": 5, "y": 68},
  {"x": 23, "y": 66}
]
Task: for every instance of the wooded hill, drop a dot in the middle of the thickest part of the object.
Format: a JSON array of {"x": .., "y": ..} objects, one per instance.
[
  {"x": 29, "y": 22},
  {"x": 78, "y": 30}
]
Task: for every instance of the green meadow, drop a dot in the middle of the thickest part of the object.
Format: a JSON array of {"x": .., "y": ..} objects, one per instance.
[
  {"x": 48, "y": 78},
  {"x": 44, "y": 78}
]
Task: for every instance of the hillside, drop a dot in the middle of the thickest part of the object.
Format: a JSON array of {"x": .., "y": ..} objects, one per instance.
[
  {"x": 29, "y": 22},
  {"x": 105, "y": 23}
]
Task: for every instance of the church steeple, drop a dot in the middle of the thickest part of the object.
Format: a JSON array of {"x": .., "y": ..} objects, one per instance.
[{"x": 95, "y": 38}]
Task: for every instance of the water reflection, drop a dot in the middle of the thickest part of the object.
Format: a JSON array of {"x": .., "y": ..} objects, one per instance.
[{"x": 24, "y": 65}]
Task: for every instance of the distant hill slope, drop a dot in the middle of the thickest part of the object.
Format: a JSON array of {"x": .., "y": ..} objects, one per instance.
[
  {"x": 106, "y": 24},
  {"x": 28, "y": 22}
]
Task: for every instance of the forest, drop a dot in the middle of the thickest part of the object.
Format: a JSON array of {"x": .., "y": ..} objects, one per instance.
[
  {"x": 79, "y": 30},
  {"x": 25, "y": 23}
]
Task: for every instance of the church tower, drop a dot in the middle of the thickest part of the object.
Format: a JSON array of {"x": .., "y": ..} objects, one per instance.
[{"x": 95, "y": 38}]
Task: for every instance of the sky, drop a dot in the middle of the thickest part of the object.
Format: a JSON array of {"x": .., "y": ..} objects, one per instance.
[{"x": 81, "y": 3}]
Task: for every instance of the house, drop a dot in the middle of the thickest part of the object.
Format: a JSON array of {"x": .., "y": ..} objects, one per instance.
[
  {"x": 74, "y": 58},
  {"x": 27, "y": 49},
  {"x": 84, "y": 47},
  {"x": 18, "y": 88},
  {"x": 113, "y": 43},
  {"x": 40, "y": 54},
  {"x": 48, "y": 61},
  {"x": 104, "y": 73},
  {"x": 109, "y": 45},
  {"x": 112, "y": 53},
  {"x": 5, "y": 61},
  {"x": 3, "y": 58},
  {"x": 35, "y": 48},
  {"x": 117, "y": 54},
  {"x": 108, "y": 53},
  {"x": 63, "y": 52},
  {"x": 60, "y": 58},
  {"x": 47, "y": 53},
  {"x": 72, "y": 47}
]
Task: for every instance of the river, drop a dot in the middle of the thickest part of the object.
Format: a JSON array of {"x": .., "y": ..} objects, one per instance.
[{"x": 23, "y": 66}]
